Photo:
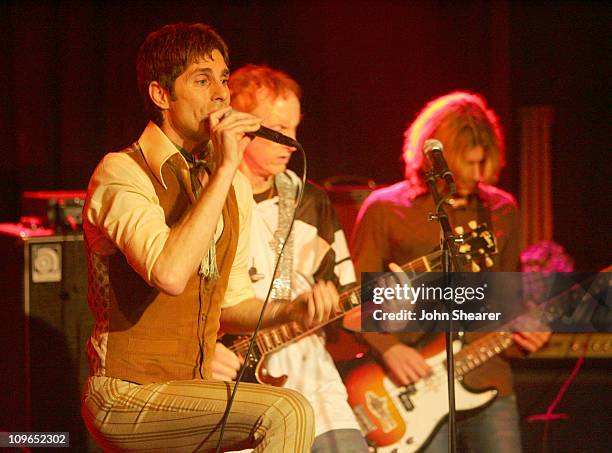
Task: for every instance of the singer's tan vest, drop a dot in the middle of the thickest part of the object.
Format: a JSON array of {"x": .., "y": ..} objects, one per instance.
[{"x": 154, "y": 337}]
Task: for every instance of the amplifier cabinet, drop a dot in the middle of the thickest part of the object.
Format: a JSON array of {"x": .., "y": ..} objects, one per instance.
[
  {"x": 347, "y": 200},
  {"x": 46, "y": 324},
  {"x": 584, "y": 413}
]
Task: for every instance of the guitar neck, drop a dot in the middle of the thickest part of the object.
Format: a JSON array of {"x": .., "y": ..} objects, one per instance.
[
  {"x": 271, "y": 339},
  {"x": 494, "y": 343},
  {"x": 480, "y": 351}
]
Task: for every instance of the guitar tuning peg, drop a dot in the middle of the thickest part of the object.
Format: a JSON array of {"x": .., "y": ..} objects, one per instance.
[
  {"x": 464, "y": 248},
  {"x": 475, "y": 267},
  {"x": 472, "y": 224},
  {"x": 459, "y": 230},
  {"x": 488, "y": 261}
]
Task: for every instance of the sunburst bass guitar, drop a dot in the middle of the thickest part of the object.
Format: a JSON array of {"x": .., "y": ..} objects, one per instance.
[{"x": 403, "y": 419}]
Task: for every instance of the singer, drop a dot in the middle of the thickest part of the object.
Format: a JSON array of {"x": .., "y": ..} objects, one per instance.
[
  {"x": 166, "y": 225},
  {"x": 392, "y": 227}
]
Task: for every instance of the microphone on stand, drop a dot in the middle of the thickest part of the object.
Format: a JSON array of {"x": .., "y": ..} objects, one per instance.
[{"x": 433, "y": 150}]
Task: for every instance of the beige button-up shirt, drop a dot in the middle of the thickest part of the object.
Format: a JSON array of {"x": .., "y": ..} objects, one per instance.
[{"x": 123, "y": 212}]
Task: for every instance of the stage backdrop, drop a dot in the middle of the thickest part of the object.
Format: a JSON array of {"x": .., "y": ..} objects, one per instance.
[{"x": 366, "y": 67}]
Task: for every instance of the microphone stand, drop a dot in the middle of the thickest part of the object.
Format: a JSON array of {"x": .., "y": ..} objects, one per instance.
[{"x": 449, "y": 263}]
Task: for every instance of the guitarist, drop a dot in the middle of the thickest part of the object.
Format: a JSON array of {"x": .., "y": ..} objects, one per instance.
[
  {"x": 316, "y": 256},
  {"x": 392, "y": 226}
]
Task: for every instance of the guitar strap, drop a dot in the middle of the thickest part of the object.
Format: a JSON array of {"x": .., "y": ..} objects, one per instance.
[{"x": 281, "y": 288}]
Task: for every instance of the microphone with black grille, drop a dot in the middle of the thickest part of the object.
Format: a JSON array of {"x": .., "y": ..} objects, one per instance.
[{"x": 433, "y": 150}]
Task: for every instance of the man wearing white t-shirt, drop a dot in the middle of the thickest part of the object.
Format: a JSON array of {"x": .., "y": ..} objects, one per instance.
[{"x": 316, "y": 252}]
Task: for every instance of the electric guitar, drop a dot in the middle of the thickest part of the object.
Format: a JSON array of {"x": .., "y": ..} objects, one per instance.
[
  {"x": 403, "y": 419},
  {"x": 476, "y": 245}
]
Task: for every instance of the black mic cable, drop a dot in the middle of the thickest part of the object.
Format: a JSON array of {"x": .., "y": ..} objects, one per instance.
[{"x": 298, "y": 146}]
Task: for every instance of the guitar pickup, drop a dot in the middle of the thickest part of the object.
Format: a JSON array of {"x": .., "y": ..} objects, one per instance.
[{"x": 405, "y": 398}]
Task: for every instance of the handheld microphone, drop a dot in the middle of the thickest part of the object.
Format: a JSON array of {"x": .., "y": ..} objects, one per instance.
[
  {"x": 273, "y": 136},
  {"x": 433, "y": 150}
]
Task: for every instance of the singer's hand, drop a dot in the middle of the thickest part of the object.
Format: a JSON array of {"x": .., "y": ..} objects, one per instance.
[
  {"x": 225, "y": 364},
  {"x": 316, "y": 306},
  {"x": 227, "y": 132}
]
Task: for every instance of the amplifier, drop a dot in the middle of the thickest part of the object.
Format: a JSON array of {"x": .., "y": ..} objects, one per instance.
[
  {"x": 581, "y": 420},
  {"x": 574, "y": 345},
  {"x": 58, "y": 209},
  {"x": 347, "y": 193},
  {"x": 46, "y": 323}
]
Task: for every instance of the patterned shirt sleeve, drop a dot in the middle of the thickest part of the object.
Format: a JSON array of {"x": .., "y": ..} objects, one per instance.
[{"x": 336, "y": 265}]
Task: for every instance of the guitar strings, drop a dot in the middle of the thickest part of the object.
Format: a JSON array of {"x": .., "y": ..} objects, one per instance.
[{"x": 418, "y": 265}]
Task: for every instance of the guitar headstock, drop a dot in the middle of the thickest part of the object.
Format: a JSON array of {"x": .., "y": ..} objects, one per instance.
[{"x": 476, "y": 246}]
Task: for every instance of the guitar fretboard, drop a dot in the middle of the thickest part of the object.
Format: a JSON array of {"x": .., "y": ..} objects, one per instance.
[
  {"x": 478, "y": 242},
  {"x": 494, "y": 343},
  {"x": 481, "y": 350},
  {"x": 271, "y": 339}
]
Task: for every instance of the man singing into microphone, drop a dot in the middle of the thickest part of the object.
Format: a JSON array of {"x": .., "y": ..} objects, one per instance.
[
  {"x": 166, "y": 226},
  {"x": 392, "y": 226}
]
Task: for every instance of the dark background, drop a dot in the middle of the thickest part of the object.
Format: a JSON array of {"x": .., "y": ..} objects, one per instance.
[{"x": 366, "y": 68}]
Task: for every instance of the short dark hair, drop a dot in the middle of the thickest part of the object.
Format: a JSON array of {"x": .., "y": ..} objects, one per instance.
[{"x": 166, "y": 53}]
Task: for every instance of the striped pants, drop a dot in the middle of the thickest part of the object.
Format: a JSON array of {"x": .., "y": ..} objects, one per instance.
[{"x": 185, "y": 416}]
